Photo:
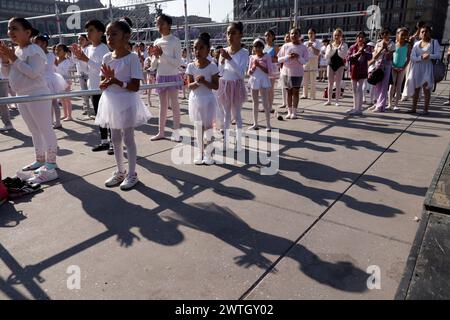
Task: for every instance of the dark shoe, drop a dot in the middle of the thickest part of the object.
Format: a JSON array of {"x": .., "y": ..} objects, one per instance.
[
  {"x": 25, "y": 189},
  {"x": 101, "y": 147},
  {"x": 411, "y": 111},
  {"x": 110, "y": 150},
  {"x": 12, "y": 182}
]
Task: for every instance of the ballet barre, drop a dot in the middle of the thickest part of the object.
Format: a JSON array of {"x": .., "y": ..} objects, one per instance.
[{"x": 74, "y": 94}]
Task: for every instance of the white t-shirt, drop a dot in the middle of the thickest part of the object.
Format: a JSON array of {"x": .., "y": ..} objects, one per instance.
[
  {"x": 208, "y": 72},
  {"x": 323, "y": 61},
  {"x": 125, "y": 69},
  {"x": 82, "y": 67},
  {"x": 50, "y": 68},
  {"x": 316, "y": 44},
  {"x": 95, "y": 55},
  {"x": 64, "y": 67}
]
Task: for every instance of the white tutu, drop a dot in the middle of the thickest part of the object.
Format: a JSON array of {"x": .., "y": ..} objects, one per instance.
[
  {"x": 259, "y": 80},
  {"x": 56, "y": 82},
  {"x": 259, "y": 83},
  {"x": 203, "y": 108},
  {"x": 121, "y": 110}
]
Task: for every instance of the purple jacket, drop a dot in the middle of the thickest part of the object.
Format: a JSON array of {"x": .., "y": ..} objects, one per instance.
[{"x": 359, "y": 64}]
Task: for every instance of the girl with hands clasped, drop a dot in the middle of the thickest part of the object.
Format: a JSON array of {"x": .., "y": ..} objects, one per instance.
[
  {"x": 166, "y": 60},
  {"x": 233, "y": 64},
  {"x": 260, "y": 68},
  {"x": 203, "y": 78},
  {"x": 25, "y": 67},
  {"x": 293, "y": 55},
  {"x": 63, "y": 66},
  {"x": 120, "y": 107}
]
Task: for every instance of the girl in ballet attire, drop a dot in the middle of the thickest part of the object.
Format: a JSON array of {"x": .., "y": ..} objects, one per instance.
[
  {"x": 120, "y": 108},
  {"x": 203, "y": 78}
]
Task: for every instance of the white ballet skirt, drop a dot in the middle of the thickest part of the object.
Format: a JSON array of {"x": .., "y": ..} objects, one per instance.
[
  {"x": 259, "y": 80},
  {"x": 56, "y": 82},
  {"x": 203, "y": 108},
  {"x": 121, "y": 110}
]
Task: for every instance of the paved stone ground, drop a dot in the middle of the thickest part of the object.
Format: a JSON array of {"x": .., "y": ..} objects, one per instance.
[{"x": 344, "y": 199}]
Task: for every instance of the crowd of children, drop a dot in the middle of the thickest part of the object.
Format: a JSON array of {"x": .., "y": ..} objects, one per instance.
[{"x": 216, "y": 80}]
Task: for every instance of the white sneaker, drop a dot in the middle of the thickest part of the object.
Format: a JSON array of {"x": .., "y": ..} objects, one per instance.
[
  {"x": 208, "y": 160},
  {"x": 37, "y": 171},
  {"x": 129, "y": 182},
  {"x": 396, "y": 109},
  {"x": 337, "y": 104},
  {"x": 44, "y": 175},
  {"x": 176, "y": 136},
  {"x": 7, "y": 128},
  {"x": 447, "y": 103},
  {"x": 115, "y": 180},
  {"x": 328, "y": 103},
  {"x": 198, "y": 160}
]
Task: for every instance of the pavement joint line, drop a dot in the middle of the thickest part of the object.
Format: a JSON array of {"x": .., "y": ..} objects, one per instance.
[
  {"x": 366, "y": 231},
  {"x": 283, "y": 255}
]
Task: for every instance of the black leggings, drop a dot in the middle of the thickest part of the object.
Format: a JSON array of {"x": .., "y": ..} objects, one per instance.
[{"x": 103, "y": 131}]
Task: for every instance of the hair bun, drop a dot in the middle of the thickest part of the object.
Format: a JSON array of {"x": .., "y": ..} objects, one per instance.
[
  {"x": 127, "y": 21},
  {"x": 205, "y": 36}
]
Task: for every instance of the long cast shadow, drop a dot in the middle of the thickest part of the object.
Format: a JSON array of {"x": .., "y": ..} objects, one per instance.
[{"x": 225, "y": 225}]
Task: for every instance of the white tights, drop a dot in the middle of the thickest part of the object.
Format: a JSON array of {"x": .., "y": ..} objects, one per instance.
[
  {"x": 266, "y": 103},
  {"x": 127, "y": 136}
]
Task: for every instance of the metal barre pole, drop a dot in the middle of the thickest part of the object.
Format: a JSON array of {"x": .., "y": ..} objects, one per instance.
[{"x": 73, "y": 94}]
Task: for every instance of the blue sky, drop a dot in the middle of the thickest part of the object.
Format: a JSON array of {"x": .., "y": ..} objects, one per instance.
[{"x": 219, "y": 8}]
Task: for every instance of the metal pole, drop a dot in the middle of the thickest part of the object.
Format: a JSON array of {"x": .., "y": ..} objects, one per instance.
[
  {"x": 111, "y": 13},
  {"x": 186, "y": 31},
  {"x": 295, "y": 13},
  {"x": 372, "y": 31},
  {"x": 58, "y": 23},
  {"x": 75, "y": 94}
]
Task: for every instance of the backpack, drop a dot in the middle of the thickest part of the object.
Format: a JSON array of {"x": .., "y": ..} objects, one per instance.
[{"x": 439, "y": 69}]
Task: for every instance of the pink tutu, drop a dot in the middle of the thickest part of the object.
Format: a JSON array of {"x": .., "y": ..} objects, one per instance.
[
  {"x": 232, "y": 93},
  {"x": 165, "y": 79}
]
